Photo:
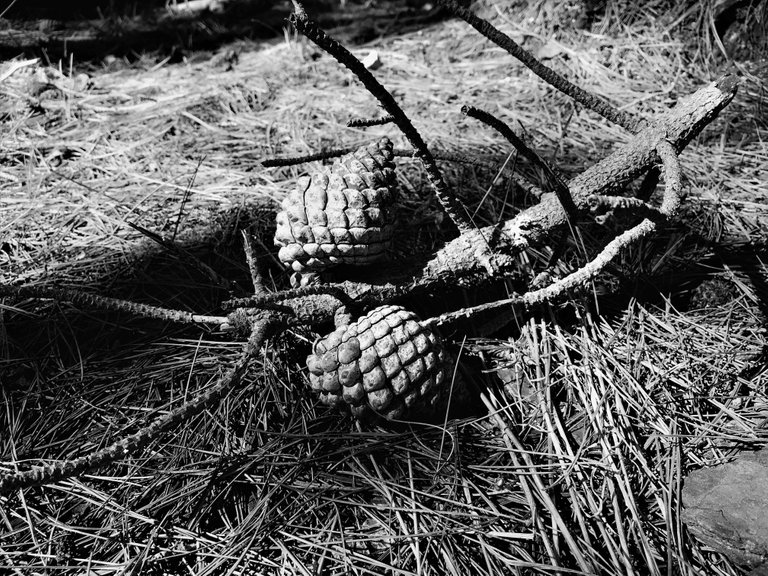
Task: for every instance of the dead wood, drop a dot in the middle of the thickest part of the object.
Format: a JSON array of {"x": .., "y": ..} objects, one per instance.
[
  {"x": 466, "y": 259},
  {"x": 475, "y": 256}
]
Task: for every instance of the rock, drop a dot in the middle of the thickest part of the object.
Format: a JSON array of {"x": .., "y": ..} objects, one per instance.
[{"x": 726, "y": 507}]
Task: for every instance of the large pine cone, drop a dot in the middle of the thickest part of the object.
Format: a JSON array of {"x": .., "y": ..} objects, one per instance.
[
  {"x": 386, "y": 363},
  {"x": 346, "y": 216}
]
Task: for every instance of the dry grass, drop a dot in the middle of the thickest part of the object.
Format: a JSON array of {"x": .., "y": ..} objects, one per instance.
[{"x": 573, "y": 463}]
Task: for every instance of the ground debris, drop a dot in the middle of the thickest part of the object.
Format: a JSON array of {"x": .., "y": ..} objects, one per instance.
[{"x": 726, "y": 507}]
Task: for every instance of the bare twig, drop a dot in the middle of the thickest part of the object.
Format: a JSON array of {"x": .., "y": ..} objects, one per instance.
[
  {"x": 588, "y": 100},
  {"x": 559, "y": 186},
  {"x": 365, "y": 122},
  {"x": 106, "y": 303},
  {"x": 292, "y": 160},
  {"x": 399, "y": 152},
  {"x": 455, "y": 210},
  {"x": 253, "y": 265},
  {"x": 130, "y": 444}
]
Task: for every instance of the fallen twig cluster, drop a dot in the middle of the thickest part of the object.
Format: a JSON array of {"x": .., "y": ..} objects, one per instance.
[{"x": 476, "y": 256}]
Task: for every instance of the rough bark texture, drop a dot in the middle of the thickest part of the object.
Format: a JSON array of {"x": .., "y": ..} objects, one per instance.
[
  {"x": 476, "y": 254},
  {"x": 535, "y": 226}
]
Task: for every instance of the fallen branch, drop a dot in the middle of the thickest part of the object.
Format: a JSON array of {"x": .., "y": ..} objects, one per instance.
[
  {"x": 131, "y": 444},
  {"x": 476, "y": 256}
]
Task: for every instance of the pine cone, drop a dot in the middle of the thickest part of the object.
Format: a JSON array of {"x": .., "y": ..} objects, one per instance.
[
  {"x": 386, "y": 363},
  {"x": 346, "y": 216}
]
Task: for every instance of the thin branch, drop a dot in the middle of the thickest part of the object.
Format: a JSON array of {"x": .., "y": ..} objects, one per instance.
[
  {"x": 559, "y": 186},
  {"x": 293, "y": 160},
  {"x": 301, "y": 292},
  {"x": 586, "y": 99},
  {"x": 253, "y": 265},
  {"x": 365, "y": 122},
  {"x": 106, "y": 303},
  {"x": 130, "y": 444},
  {"x": 455, "y": 210},
  {"x": 599, "y": 203},
  {"x": 672, "y": 177},
  {"x": 399, "y": 152},
  {"x": 559, "y": 288}
]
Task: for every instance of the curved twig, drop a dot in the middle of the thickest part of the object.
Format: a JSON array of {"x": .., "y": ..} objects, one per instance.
[
  {"x": 106, "y": 303},
  {"x": 586, "y": 99},
  {"x": 558, "y": 185},
  {"x": 130, "y": 444},
  {"x": 455, "y": 210},
  {"x": 558, "y": 288}
]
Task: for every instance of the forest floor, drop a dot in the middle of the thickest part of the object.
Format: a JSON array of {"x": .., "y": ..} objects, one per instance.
[{"x": 584, "y": 419}]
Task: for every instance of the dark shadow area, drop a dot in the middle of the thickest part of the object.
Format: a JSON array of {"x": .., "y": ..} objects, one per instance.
[{"x": 89, "y": 31}]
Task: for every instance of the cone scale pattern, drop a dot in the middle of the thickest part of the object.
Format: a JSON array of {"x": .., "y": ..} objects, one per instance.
[
  {"x": 386, "y": 363},
  {"x": 345, "y": 216}
]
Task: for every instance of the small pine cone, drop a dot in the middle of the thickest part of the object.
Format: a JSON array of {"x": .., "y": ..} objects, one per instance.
[
  {"x": 346, "y": 216},
  {"x": 386, "y": 363}
]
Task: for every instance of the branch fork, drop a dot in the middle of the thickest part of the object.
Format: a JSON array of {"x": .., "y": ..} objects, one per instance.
[{"x": 466, "y": 260}]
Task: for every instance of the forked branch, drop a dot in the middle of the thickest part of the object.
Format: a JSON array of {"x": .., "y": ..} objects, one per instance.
[
  {"x": 558, "y": 289},
  {"x": 311, "y": 30}
]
